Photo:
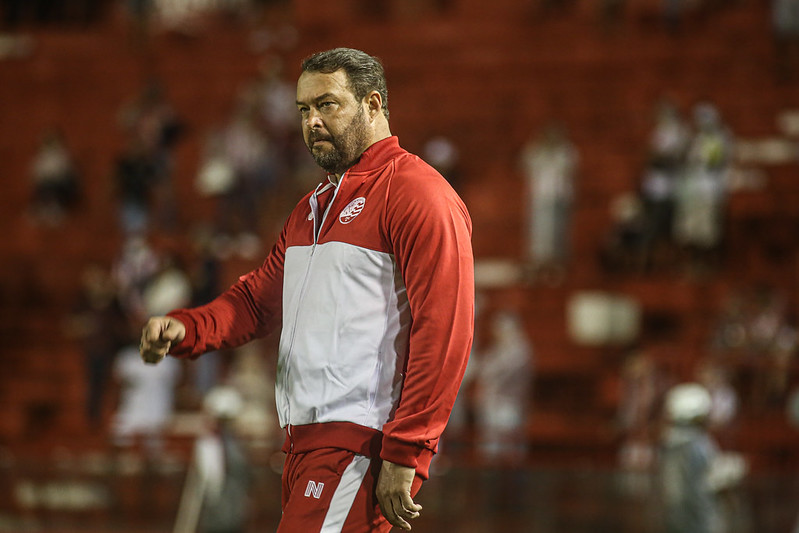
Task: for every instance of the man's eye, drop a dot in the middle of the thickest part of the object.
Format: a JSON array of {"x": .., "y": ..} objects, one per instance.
[{"x": 325, "y": 104}]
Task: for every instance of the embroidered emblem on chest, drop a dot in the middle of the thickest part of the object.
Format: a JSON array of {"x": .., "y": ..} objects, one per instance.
[{"x": 352, "y": 210}]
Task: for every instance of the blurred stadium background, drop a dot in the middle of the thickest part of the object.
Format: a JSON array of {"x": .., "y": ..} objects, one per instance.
[{"x": 486, "y": 76}]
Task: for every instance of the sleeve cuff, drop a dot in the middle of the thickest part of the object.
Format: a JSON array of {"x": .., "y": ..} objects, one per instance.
[
  {"x": 401, "y": 453},
  {"x": 406, "y": 454}
]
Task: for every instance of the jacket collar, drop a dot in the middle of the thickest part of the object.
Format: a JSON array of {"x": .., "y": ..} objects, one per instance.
[{"x": 377, "y": 155}]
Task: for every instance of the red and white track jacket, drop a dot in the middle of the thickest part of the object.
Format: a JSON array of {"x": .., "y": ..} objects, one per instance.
[{"x": 375, "y": 294}]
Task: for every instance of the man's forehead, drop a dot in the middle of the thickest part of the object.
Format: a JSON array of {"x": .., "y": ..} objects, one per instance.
[{"x": 312, "y": 85}]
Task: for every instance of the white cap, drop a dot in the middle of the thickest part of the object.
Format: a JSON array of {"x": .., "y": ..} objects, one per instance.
[{"x": 687, "y": 402}]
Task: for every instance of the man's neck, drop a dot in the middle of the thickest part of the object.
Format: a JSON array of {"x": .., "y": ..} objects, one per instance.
[{"x": 381, "y": 133}]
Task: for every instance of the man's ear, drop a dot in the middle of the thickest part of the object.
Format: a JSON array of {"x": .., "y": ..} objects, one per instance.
[{"x": 374, "y": 103}]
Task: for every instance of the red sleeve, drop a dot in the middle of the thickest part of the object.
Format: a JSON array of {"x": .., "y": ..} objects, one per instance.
[
  {"x": 251, "y": 308},
  {"x": 429, "y": 230}
]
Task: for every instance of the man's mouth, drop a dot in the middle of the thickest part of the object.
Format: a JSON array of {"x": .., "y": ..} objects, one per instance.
[{"x": 315, "y": 140}]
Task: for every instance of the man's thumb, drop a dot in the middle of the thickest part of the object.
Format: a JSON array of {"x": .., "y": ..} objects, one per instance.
[{"x": 172, "y": 332}]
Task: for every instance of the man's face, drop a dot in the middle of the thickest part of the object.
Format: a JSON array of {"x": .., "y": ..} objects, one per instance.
[{"x": 334, "y": 124}]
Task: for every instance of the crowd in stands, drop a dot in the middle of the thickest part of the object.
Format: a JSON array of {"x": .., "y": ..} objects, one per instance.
[
  {"x": 254, "y": 161},
  {"x": 675, "y": 220},
  {"x": 252, "y": 166},
  {"x": 673, "y": 225}
]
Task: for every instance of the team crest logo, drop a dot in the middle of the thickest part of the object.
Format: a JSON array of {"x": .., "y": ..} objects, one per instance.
[{"x": 352, "y": 210}]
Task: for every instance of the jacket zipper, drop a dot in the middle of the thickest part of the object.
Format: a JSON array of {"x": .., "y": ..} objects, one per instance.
[{"x": 316, "y": 229}]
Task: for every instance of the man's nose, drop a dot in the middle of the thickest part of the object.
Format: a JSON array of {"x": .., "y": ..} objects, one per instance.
[{"x": 314, "y": 119}]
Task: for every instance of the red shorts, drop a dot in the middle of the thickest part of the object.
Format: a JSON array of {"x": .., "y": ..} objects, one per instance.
[{"x": 332, "y": 490}]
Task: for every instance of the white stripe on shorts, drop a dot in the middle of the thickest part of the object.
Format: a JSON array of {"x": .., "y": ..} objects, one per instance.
[{"x": 347, "y": 489}]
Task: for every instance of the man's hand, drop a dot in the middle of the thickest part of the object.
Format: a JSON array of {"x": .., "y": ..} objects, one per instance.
[
  {"x": 394, "y": 494},
  {"x": 157, "y": 337}
]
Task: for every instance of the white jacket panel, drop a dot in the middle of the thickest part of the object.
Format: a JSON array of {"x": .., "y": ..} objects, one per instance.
[{"x": 346, "y": 323}]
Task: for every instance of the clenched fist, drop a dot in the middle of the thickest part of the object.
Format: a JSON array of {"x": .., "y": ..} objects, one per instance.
[{"x": 157, "y": 337}]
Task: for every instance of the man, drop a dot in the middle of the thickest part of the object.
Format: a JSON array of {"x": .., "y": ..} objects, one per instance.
[
  {"x": 372, "y": 279},
  {"x": 693, "y": 470}
]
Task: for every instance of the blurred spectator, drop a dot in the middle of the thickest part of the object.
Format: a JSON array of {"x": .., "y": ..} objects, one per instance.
[
  {"x": 249, "y": 153},
  {"x": 462, "y": 435},
  {"x": 658, "y": 198},
  {"x": 153, "y": 128},
  {"x": 623, "y": 250},
  {"x": 463, "y": 411},
  {"x": 443, "y": 155},
  {"x": 135, "y": 177},
  {"x": 642, "y": 385},
  {"x": 269, "y": 102},
  {"x": 785, "y": 20},
  {"x": 767, "y": 317},
  {"x": 152, "y": 122},
  {"x": 755, "y": 326},
  {"x": 56, "y": 185},
  {"x": 216, "y": 493},
  {"x": 206, "y": 268},
  {"x": 132, "y": 271},
  {"x": 102, "y": 327},
  {"x": 753, "y": 321},
  {"x": 167, "y": 289},
  {"x": 668, "y": 147},
  {"x": 457, "y": 437},
  {"x": 694, "y": 473},
  {"x": 549, "y": 164},
  {"x": 146, "y": 401},
  {"x": 773, "y": 377},
  {"x": 276, "y": 97},
  {"x": 730, "y": 335},
  {"x": 250, "y": 375},
  {"x": 205, "y": 281},
  {"x": 504, "y": 375},
  {"x": 238, "y": 173},
  {"x": 216, "y": 180},
  {"x": 701, "y": 192},
  {"x": 680, "y": 200},
  {"x": 723, "y": 396}
]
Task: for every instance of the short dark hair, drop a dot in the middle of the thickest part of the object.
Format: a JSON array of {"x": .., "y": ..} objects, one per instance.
[{"x": 364, "y": 72}]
